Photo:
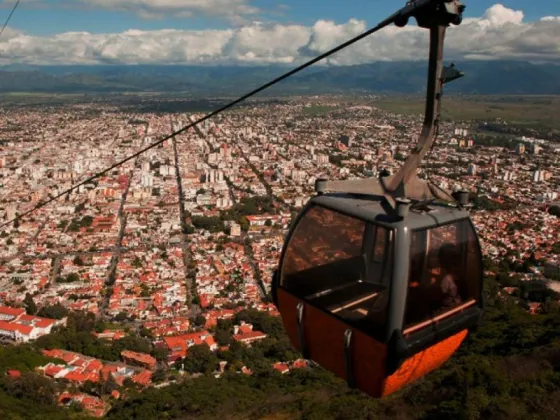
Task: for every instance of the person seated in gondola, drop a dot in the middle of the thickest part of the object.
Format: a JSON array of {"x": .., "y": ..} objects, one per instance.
[
  {"x": 418, "y": 291},
  {"x": 433, "y": 290},
  {"x": 450, "y": 263}
]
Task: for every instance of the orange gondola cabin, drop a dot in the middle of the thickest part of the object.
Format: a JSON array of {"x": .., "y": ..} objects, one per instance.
[
  {"x": 379, "y": 300},
  {"x": 380, "y": 280}
]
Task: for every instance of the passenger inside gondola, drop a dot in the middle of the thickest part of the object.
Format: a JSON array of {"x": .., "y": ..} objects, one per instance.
[
  {"x": 439, "y": 277},
  {"x": 450, "y": 262}
]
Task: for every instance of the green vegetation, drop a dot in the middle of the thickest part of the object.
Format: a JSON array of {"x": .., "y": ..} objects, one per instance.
[
  {"x": 137, "y": 263},
  {"x": 78, "y": 337},
  {"x": 247, "y": 206},
  {"x": 80, "y": 207},
  {"x": 86, "y": 221},
  {"x": 200, "y": 359},
  {"x": 77, "y": 224},
  {"x": 78, "y": 260},
  {"x": 482, "y": 202},
  {"x": 56, "y": 311},
  {"x": 530, "y": 112},
  {"x": 29, "y": 303},
  {"x": 318, "y": 110},
  {"x": 70, "y": 278},
  {"x": 22, "y": 357},
  {"x": 74, "y": 226},
  {"x": 211, "y": 224},
  {"x": 33, "y": 386},
  {"x": 400, "y": 156},
  {"x": 29, "y": 396},
  {"x": 250, "y": 206}
]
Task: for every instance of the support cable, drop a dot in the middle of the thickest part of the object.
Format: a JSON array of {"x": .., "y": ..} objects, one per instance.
[
  {"x": 202, "y": 119},
  {"x": 404, "y": 13},
  {"x": 9, "y": 17}
]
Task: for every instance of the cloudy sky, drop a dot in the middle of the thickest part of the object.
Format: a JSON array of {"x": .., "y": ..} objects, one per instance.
[{"x": 262, "y": 31}]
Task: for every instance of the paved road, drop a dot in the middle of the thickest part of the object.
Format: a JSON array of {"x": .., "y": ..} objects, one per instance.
[
  {"x": 256, "y": 271},
  {"x": 183, "y": 215},
  {"x": 112, "y": 270}
]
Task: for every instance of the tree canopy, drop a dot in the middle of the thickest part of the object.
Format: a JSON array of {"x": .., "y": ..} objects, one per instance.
[
  {"x": 56, "y": 311},
  {"x": 78, "y": 337}
]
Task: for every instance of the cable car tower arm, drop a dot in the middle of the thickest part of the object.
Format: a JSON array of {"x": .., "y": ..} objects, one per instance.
[
  {"x": 437, "y": 22},
  {"x": 435, "y": 15}
]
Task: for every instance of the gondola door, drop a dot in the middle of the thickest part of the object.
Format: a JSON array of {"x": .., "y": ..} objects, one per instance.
[
  {"x": 333, "y": 294},
  {"x": 443, "y": 300}
]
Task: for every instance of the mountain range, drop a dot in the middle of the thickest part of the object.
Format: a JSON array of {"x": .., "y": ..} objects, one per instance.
[{"x": 481, "y": 77}]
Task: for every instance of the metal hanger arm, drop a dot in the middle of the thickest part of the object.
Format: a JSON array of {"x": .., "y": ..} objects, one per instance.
[
  {"x": 431, "y": 116},
  {"x": 436, "y": 16}
]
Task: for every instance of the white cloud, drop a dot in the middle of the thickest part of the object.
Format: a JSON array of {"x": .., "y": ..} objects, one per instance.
[
  {"x": 502, "y": 34},
  {"x": 272, "y": 44},
  {"x": 326, "y": 34},
  {"x": 499, "y": 33},
  {"x": 498, "y": 15}
]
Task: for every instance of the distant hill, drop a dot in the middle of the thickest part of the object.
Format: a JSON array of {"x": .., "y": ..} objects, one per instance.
[{"x": 482, "y": 77}]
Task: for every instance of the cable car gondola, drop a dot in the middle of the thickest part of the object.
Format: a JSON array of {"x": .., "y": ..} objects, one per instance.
[{"x": 380, "y": 280}]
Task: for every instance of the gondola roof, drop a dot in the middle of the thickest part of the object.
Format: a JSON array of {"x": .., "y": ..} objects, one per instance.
[{"x": 373, "y": 210}]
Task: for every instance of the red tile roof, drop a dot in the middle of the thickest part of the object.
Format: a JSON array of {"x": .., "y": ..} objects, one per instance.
[
  {"x": 299, "y": 363},
  {"x": 53, "y": 370},
  {"x": 281, "y": 367},
  {"x": 10, "y": 326},
  {"x": 180, "y": 343},
  {"x": 6, "y": 310},
  {"x": 67, "y": 356},
  {"x": 94, "y": 366},
  {"x": 249, "y": 336},
  {"x": 143, "y": 358},
  {"x": 36, "y": 321},
  {"x": 107, "y": 370},
  {"x": 94, "y": 406},
  {"x": 143, "y": 378},
  {"x": 76, "y": 376}
]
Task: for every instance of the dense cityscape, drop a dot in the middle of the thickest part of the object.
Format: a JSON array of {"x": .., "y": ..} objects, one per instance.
[
  {"x": 250, "y": 209},
  {"x": 171, "y": 254}
]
